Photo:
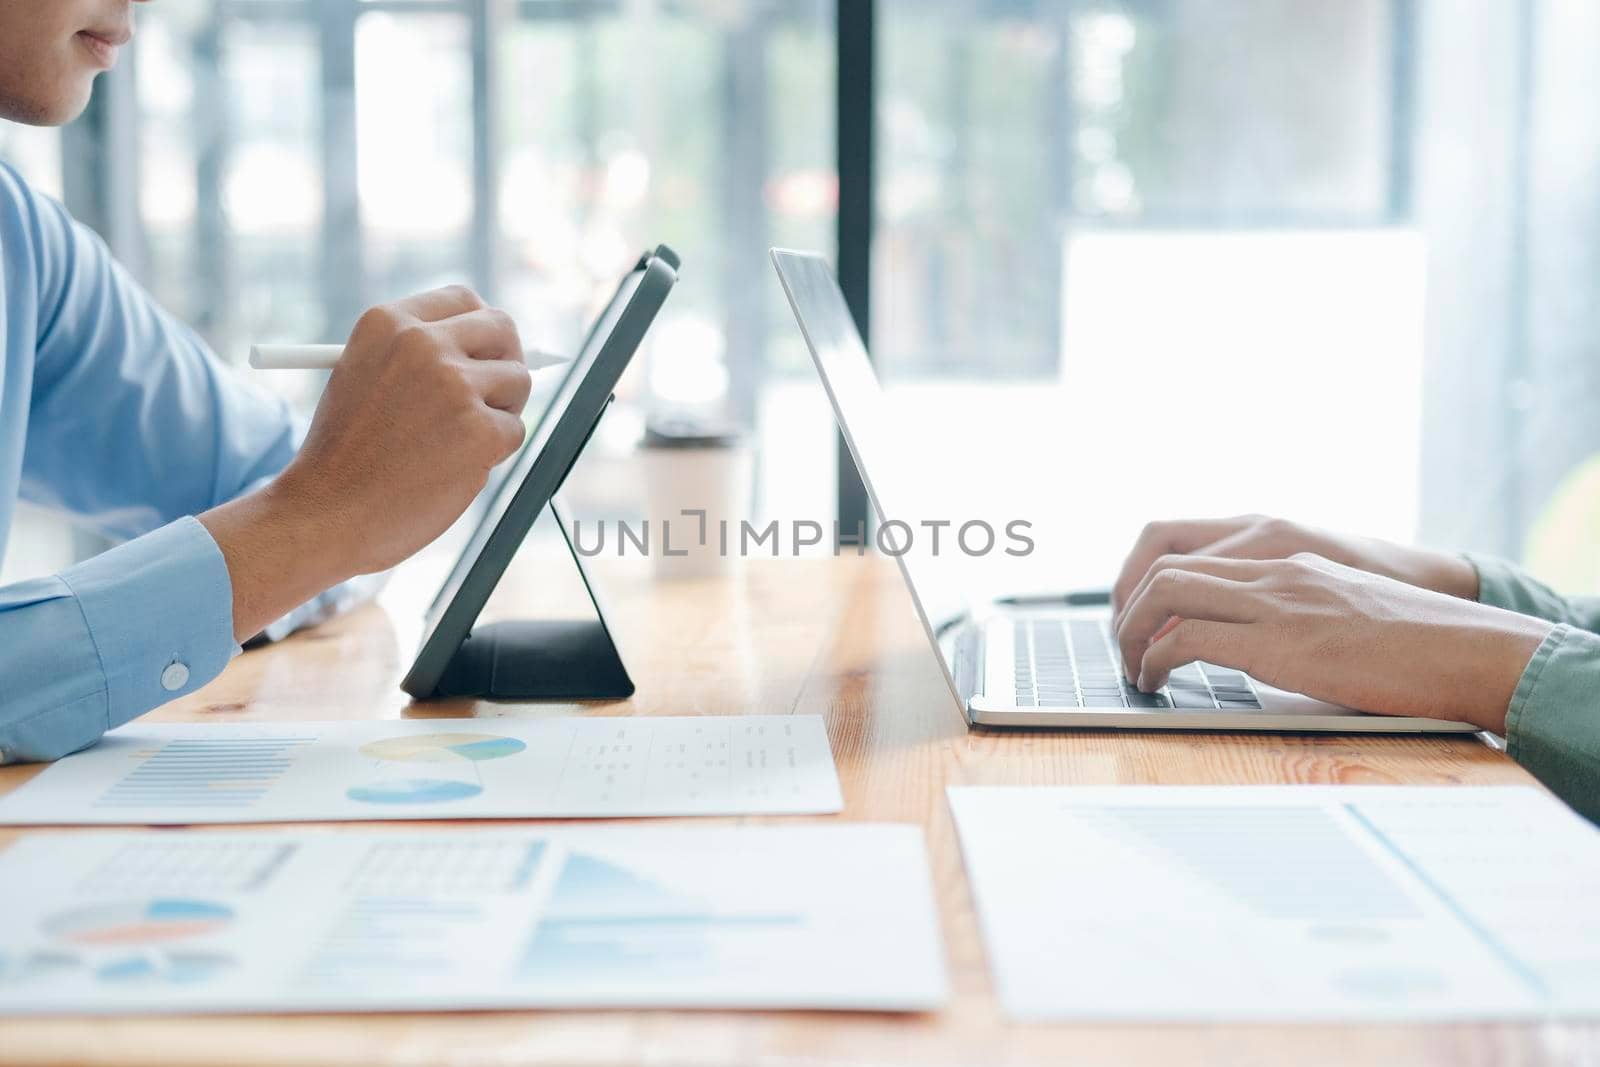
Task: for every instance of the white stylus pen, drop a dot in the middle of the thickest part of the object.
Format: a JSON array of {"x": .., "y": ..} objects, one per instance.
[{"x": 323, "y": 357}]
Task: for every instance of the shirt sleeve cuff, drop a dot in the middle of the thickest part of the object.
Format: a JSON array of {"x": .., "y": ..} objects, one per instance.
[
  {"x": 1503, "y": 585},
  {"x": 159, "y": 610},
  {"x": 1553, "y": 722}
]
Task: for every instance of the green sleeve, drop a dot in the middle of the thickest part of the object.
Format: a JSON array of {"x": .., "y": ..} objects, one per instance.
[
  {"x": 1504, "y": 585},
  {"x": 1553, "y": 723}
]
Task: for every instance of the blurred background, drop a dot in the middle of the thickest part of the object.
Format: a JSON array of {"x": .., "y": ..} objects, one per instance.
[{"x": 1121, "y": 259}]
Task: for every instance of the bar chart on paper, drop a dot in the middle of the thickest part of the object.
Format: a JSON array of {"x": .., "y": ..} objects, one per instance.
[
  {"x": 1284, "y": 903},
  {"x": 602, "y": 916},
  {"x": 200, "y": 772},
  {"x": 419, "y": 769}
]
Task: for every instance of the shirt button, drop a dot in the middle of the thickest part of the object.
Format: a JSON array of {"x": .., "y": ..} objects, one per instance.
[{"x": 175, "y": 677}]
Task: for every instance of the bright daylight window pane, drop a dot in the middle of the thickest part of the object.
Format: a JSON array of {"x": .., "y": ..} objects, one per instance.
[
  {"x": 1123, "y": 247},
  {"x": 231, "y": 187},
  {"x": 414, "y": 140},
  {"x": 1132, "y": 258},
  {"x": 272, "y": 181},
  {"x": 709, "y": 128},
  {"x": 613, "y": 127}
]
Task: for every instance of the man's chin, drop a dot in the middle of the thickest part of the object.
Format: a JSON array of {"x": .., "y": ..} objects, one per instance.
[{"x": 47, "y": 109}]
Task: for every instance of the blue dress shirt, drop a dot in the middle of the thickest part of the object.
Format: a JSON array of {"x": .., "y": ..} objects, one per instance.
[{"x": 114, "y": 412}]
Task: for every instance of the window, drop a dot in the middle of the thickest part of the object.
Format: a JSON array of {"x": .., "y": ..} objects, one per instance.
[
  {"x": 1130, "y": 257},
  {"x": 297, "y": 168},
  {"x": 1122, "y": 246},
  {"x": 1007, "y": 129}
]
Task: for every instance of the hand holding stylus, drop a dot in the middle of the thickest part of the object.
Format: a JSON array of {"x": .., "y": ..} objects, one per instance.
[{"x": 425, "y": 400}]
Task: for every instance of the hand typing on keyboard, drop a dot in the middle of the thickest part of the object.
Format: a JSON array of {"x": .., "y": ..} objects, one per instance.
[
  {"x": 1263, "y": 537},
  {"x": 1330, "y": 631},
  {"x": 1074, "y": 664}
]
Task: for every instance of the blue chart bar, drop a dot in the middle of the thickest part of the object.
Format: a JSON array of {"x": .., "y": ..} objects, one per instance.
[
  {"x": 607, "y": 922},
  {"x": 200, "y": 773}
]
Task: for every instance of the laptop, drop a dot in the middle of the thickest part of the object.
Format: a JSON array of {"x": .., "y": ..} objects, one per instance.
[{"x": 1022, "y": 666}]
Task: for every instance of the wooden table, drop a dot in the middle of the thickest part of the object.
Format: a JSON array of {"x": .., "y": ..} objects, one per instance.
[{"x": 836, "y": 638}]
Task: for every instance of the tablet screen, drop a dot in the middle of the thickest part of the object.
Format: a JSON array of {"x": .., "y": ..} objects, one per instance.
[{"x": 532, "y": 449}]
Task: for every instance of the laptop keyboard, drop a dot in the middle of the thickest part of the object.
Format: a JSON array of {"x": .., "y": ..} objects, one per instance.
[{"x": 1064, "y": 663}]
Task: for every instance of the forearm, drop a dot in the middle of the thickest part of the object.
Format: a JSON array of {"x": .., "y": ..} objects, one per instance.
[
  {"x": 281, "y": 551},
  {"x": 1489, "y": 655}
]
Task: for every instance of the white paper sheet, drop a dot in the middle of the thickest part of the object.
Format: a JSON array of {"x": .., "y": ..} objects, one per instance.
[
  {"x": 775, "y": 917},
  {"x": 168, "y": 773},
  {"x": 1352, "y": 903}
]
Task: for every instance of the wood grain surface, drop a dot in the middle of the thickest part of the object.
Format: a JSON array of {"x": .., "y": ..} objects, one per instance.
[{"x": 830, "y": 637}]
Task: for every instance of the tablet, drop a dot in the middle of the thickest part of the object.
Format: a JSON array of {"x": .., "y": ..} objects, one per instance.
[{"x": 541, "y": 466}]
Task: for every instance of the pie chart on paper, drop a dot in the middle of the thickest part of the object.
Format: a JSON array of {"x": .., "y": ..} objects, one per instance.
[
  {"x": 413, "y": 791},
  {"x": 443, "y": 748},
  {"x": 165, "y": 968},
  {"x": 138, "y": 921}
]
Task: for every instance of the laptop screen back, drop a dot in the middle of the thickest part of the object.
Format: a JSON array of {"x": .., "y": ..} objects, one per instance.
[{"x": 883, "y": 456}]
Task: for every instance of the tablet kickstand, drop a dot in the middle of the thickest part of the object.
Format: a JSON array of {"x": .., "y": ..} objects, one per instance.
[{"x": 537, "y": 659}]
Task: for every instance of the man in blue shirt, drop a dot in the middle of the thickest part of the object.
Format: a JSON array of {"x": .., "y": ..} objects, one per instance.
[{"x": 112, "y": 411}]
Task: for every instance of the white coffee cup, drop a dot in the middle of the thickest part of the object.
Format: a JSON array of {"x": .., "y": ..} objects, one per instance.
[{"x": 697, "y": 478}]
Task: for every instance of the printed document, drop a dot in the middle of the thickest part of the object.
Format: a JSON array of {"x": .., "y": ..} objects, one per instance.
[
  {"x": 1285, "y": 903},
  {"x": 568, "y": 767},
  {"x": 836, "y": 917}
]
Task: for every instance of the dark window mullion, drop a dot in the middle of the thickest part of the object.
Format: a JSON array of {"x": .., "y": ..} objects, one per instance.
[
  {"x": 343, "y": 268},
  {"x": 485, "y": 16},
  {"x": 856, "y": 115},
  {"x": 1402, "y": 108},
  {"x": 212, "y": 241}
]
